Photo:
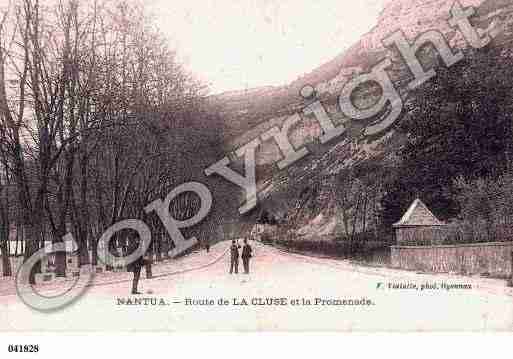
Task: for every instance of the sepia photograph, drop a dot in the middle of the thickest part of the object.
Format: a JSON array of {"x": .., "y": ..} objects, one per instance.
[{"x": 255, "y": 166}]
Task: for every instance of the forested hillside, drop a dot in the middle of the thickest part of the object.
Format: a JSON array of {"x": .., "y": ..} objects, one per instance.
[{"x": 450, "y": 147}]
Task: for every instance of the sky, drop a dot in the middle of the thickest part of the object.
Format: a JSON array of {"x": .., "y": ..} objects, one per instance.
[{"x": 239, "y": 44}]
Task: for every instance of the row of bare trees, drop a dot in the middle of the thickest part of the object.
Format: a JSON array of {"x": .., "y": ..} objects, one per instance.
[
  {"x": 97, "y": 118},
  {"x": 357, "y": 192}
]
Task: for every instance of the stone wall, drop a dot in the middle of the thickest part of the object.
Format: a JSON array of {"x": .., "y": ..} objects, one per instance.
[{"x": 493, "y": 258}]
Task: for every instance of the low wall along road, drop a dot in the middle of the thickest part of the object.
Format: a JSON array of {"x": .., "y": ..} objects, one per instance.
[{"x": 493, "y": 258}]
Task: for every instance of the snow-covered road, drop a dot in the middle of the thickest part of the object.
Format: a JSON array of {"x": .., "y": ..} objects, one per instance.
[{"x": 283, "y": 292}]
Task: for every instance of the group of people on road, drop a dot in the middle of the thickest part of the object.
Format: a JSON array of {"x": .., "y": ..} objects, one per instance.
[
  {"x": 234, "y": 256},
  {"x": 247, "y": 253}
]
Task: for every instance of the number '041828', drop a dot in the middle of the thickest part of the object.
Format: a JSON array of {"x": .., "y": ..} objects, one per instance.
[{"x": 23, "y": 348}]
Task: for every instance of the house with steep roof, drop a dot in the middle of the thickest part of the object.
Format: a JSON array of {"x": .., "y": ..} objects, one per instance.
[{"x": 419, "y": 226}]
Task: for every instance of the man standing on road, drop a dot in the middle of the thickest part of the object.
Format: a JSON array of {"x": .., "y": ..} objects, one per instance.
[
  {"x": 136, "y": 267},
  {"x": 246, "y": 255},
  {"x": 234, "y": 257}
]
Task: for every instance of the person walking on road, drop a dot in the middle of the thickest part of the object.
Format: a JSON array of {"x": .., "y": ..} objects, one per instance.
[
  {"x": 234, "y": 257},
  {"x": 136, "y": 267},
  {"x": 246, "y": 255}
]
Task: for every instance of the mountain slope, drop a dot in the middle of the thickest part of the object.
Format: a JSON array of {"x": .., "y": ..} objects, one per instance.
[{"x": 307, "y": 187}]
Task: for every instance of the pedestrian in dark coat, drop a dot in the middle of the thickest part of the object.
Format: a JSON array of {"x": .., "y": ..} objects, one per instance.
[
  {"x": 246, "y": 256},
  {"x": 234, "y": 257},
  {"x": 136, "y": 266}
]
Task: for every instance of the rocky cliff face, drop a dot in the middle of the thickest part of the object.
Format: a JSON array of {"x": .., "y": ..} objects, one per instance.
[
  {"x": 248, "y": 109},
  {"x": 413, "y": 17}
]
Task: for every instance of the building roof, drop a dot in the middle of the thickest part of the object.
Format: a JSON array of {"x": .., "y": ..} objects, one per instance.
[{"x": 418, "y": 215}]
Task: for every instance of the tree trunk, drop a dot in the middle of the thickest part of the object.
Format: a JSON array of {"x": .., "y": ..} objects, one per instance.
[
  {"x": 4, "y": 244},
  {"x": 149, "y": 273},
  {"x": 364, "y": 217},
  {"x": 94, "y": 251},
  {"x": 4, "y": 252},
  {"x": 4, "y": 231}
]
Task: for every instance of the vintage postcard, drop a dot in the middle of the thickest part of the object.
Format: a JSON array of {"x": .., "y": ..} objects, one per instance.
[{"x": 255, "y": 166}]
